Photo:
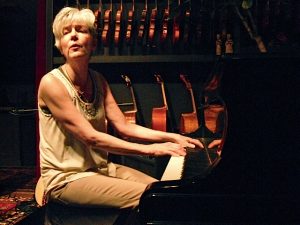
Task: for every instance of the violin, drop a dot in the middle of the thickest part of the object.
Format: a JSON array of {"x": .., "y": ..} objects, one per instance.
[
  {"x": 165, "y": 24},
  {"x": 143, "y": 24},
  {"x": 152, "y": 26},
  {"x": 176, "y": 27},
  {"x": 105, "y": 36},
  {"x": 159, "y": 114},
  {"x": 98, "y": 18},
  {"x": 118, "y": 25},
  {"x": 130, "y": 21},
  {"x": 189, "y": 121}
]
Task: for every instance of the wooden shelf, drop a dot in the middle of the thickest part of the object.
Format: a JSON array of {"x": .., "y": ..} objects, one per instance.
[
  {"x": 176, "y": 58},
  {"x": 144, "y": 58}
]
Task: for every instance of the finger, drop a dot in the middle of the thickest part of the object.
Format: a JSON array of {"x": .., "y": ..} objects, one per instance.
[
  {"x": 190, "y": 145},
  {"x": 174, "y": 150},
  {"x": 214, "y": 143},
  {"x": 195, "y": 142},
  {"x": 181, "y": 151}
]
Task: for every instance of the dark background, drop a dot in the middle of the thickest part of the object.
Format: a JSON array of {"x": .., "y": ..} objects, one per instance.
[{"x": 18, "y": 22}]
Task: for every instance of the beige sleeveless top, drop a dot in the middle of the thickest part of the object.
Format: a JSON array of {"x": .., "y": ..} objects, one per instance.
[{"x": 63, "y": 158}]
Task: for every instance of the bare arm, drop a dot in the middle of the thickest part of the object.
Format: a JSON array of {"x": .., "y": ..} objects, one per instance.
[
  {"x": 53, "y": 94},
  {"x": 127, "y": 129}
]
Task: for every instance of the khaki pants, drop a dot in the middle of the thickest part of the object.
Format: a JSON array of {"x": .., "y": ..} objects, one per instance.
[{"x": 122, "y": 191}]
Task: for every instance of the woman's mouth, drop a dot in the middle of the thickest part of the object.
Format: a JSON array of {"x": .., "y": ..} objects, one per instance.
[{"x": 75, "y": 47}]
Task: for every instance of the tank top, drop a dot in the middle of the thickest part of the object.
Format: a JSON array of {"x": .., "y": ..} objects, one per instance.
[{"x": 63, "y": 158}]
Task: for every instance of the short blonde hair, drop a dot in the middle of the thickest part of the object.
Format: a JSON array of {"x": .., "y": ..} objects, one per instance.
[{"x": 68, "y": 15}]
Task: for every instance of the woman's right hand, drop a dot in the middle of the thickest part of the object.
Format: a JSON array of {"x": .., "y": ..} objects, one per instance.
[{"x": 166, "y": 148}]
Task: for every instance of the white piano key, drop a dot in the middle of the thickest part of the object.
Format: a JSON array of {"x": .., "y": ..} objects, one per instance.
[{"x": 174, "y": 168}]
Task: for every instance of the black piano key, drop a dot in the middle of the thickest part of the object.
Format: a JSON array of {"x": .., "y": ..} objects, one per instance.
[{"x": 198, "y": 161}]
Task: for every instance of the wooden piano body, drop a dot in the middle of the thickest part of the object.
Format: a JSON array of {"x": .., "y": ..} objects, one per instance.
[{"x": 257, "y": 180}]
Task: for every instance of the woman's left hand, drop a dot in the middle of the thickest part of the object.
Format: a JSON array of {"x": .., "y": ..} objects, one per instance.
[{"x": 187, "y": 142}]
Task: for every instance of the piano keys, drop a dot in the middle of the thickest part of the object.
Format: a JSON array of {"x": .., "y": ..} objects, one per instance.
[
  {"x": 197, "y": 162},
  {"x": 174, "y": 168}
]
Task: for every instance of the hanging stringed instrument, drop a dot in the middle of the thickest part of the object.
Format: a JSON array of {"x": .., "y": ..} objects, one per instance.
[
  {"x": 118, "y": 25},
  {"x": 142, "y": 31},
  {"x": 159, "y": 114},
  {"x": 98, "y": 19},
  {"x": 106, "y": 33},
  {"x": 189, "y": 121},
  {"x": 176, "y": 26},
  {"x": 130, "y": 25},
  {"x": 165, "y": 24},
  {"x": 186, "y": 25},
  {"x": 130, "y": 115},
  {"x": 152, "y": 25}
]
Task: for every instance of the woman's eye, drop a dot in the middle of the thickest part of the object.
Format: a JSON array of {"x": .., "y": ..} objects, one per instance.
[
  {"x": 66, "y": 31},
  {"x": 83, "y": 30},
  {"x": 78, "y": 29}
]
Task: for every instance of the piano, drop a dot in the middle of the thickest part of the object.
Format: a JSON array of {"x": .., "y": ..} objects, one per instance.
[
  {"x": 197, "y": 162},
  {"x": 256, "y": 179}
]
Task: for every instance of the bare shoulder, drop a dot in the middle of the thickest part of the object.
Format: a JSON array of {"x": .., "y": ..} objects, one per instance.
[
  {"x": 48, "y": 80},
  {"x": 50, "y": 84},
  {"x": 51, "y": 89}
]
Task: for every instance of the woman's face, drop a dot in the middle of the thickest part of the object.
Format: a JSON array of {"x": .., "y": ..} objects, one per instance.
[{"x": 77, "y": 41}]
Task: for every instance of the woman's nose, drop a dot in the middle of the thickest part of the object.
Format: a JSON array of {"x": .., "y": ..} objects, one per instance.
[{"x": 73, "y": 33}]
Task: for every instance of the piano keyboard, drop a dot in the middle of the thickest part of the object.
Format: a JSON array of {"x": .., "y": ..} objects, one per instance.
[
  {"x": 196, "y": 162},
  {"x": 174, "y": 168}
]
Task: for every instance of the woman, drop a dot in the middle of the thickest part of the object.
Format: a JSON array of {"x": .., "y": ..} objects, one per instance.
[{"x": 74, "y": 104}]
